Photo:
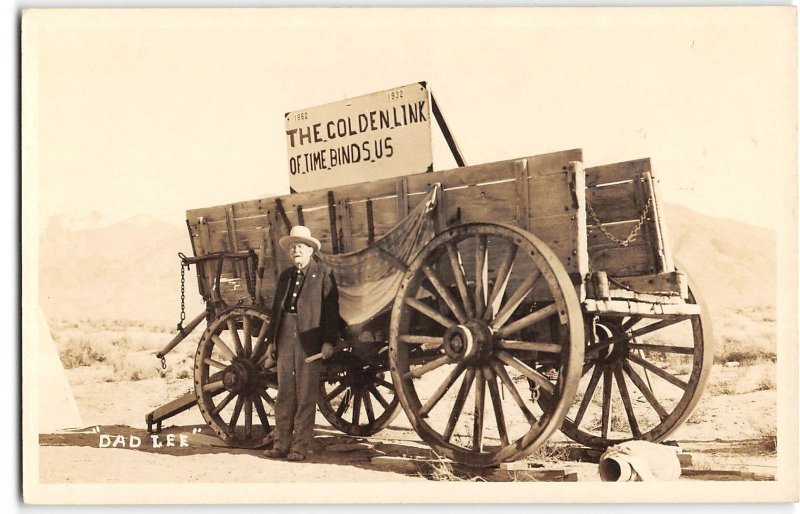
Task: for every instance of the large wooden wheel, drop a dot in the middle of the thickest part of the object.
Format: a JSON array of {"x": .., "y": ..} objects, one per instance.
[
  {"x": 235, "y": 379},
  {"x": 357, "y": 398},
  {"x": 485, "y": 306},
  {"x": 642, "y": 377}
]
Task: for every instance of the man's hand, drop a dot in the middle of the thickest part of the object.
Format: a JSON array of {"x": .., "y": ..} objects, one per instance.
[{"x": 327, "y": 351}]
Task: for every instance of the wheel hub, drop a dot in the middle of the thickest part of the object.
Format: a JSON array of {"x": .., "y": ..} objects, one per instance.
[
  {"x": 240, "y": 376},
  {"x": 472, "y": 340}
]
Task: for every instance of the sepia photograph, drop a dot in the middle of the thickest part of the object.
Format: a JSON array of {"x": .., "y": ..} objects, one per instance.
[{"x": 429, "y": 255}]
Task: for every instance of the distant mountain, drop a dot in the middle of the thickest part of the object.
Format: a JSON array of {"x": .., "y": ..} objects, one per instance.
[
  {"x": 732, "y": 263},
  {"x": 95, "y": 267},
  {"x": 123, "y": 270}
]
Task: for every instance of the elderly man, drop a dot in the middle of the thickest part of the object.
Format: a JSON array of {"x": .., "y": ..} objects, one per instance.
[{"x": 305, "y": 321}]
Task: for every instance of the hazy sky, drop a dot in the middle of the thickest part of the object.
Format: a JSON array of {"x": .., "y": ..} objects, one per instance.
[{"x": 158, "y": 112}]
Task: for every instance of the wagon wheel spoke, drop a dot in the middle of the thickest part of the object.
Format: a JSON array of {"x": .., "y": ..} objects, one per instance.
[
  {"x": 626, "y": 401},
  {"x": 237, "y": 410},
  {"x": 344, "y": 404},
  {"x": 606, "y": 416},
  {"x": 481, "y": 274},
  {"x": 530, "y": 373},
  {"x": 267, "y": 398},
  {"x": 220, "y": 345},
  {"x": 213, "y": 386},
  {"x": 646, "y": 392},
  {"x": 458, "y": 405},
  {"x": 384, "y": 383},
  {"x": 430, "y": 312},
  {"x": 515, "y": 300},
  {"x": 427, "y": 367},
  {"x": 530, "y": 346},
  {"x": 266, "y": 361},
  {"x": 378, "y": 396},
  {"x": 501, "y": 372},
  {"x": 260, "y": 339},
  {"x": 480, "y": 396},
  {"x": 442, "y": 389},
  {"x": 461, "y": 282},
  {"x": 215, "y": 364},
  {"x": 630, "y": 323},
  {"x": 247, "y": 336},
  {"x": 237, "y": 343},
  {"x": 368, "y": 405},
  {"x": 356, "y": 405},
  {"x": 500, "y": 282},
  {"x": 499, "y": 416},
  {"x": 262, "y": 413},
  {"x": 224, "y": 403},
  {"x": 528, "y": 320},
  {"x": 595, "y": 349},
  {"x": 336, "y": 392},
  {"x": 683, "y": 350},
  {"x": 444, "y": 294},
  {"x": 429, "y": 341},
  {"x": 647, "y": 365},
  {"x": 248, "y": 416},
  {"x": 587, "y": 397}
]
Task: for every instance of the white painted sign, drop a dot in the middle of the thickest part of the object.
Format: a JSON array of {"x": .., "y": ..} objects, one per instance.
[{"x": 371, "y": 137}]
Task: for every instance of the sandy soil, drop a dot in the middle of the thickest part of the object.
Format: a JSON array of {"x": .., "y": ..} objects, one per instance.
[{"x": 725, "y": 433}]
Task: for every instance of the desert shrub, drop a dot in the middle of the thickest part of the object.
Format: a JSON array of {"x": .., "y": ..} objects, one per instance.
[
  {"x": 80, "y": 352},
  {"x": 766, "y": 382},
  {"x": 766, "y": 434},
  {"x": 722, "y": 386},
  {"x": 746, "y": 335},
  {"x": 134, "y": 366}
]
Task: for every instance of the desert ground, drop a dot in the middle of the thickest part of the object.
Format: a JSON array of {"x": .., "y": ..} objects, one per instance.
[{"x": 116, "y": 379}]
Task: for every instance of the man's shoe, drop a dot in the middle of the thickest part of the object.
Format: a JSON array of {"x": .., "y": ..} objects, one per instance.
[
  {"x": 295, "y": 456},
  {"x": 272, "y": 453}
]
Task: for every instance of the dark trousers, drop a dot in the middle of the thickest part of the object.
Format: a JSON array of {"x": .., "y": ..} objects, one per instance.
[{"x": 298, "y": 382}]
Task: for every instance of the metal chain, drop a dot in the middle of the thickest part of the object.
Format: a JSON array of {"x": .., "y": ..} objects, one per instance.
[
  {"x": 634, "y": 233},
  {"x": 184, "y": 267}
]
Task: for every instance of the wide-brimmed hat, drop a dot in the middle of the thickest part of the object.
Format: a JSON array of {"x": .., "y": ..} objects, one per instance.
[{"x": 300, "y": 234}]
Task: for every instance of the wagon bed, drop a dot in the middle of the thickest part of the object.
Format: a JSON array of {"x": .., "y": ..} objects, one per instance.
[{"x": 534, "y": 276}]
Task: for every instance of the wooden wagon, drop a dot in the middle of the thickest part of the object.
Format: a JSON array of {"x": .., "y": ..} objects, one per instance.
[{"x": 532, "y": 278}]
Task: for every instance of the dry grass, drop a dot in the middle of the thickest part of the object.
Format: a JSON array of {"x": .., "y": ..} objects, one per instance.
[
  {"x": 746, "y": 335},
  {"x": 767, "y": 434},
  {"x": 722, "y": 386},
  {"x": 766, "y": 382},
  {"x": 123, "y": 350},
  {"x": 550, "y": 452}
]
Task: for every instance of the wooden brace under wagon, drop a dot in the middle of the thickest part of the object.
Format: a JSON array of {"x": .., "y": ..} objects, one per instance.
[{"x": 533, "y": 278}]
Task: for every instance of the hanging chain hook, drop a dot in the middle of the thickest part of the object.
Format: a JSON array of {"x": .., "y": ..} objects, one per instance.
[{"x": 184, "y": 266}]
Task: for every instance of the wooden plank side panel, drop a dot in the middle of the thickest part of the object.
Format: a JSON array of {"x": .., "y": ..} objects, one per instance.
[
  {"x": 550, "y": 195},
  {"x": 623, "y": 262},
  {"x": 616, "y": 172},
  {"x": 384, "y": 217},
  {"x": 614, "y": 203},
  {"x": 560, "y": 234},
  {"x": 494, "y": 203},
  {"x": 597, "y": 240},
  {"x": 556, "y": 162}
]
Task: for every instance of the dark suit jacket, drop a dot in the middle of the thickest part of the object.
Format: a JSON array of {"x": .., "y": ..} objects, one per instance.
[{"x": 317, "y": 308}]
